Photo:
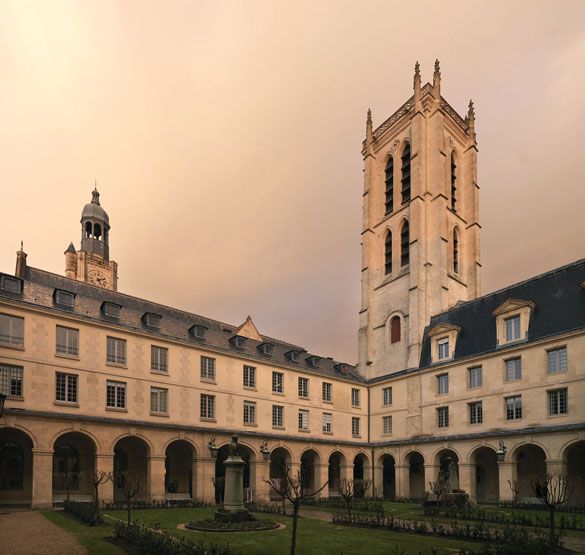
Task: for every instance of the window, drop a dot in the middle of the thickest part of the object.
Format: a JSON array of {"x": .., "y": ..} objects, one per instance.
[
  {"x": 293, "y": 356},
  {"x": 304, "y": 388},
  {"x": 395, "y": 329},
  {"x": 327, "y": 388},
  {"x": 388, "y": 253},
  {"x": 12, "y": 459},
  {"x": 238, "y": 341},
  {"x": 159, "y": 359},
  {"x": 208, "y": 369},
  {"x": 389, "y": 179},
  {"x": 355, "y": 397},
  {"x": 159, "y": 400},
  {"x": 303, "y": 420},
  {"x": 64, "y": 298},
  {"x": 11, "y": 380},
  {"x": 455, "y": 251},
  {"x": 266, "y": 348},
  {"x": 116, "y": 395},
  {"x": 327, "y": 423},
  {"x": 355, "y": 426},
  {"x": 11, "y": 330},
  {"x": 110, "y": 309},
  {"x": 198, "y": 331},
  {"x": 514, "y": 407},
  {"x": 387, "y": 396},
  {"x": 277, "y": 382},
  {"x": 116, "y": 350},
  {"x": 405, "y": 159},
  {"x": 513, "y": 369},
  {"x": 277, "y": 416},
  {"x": 475, "y": 413},
  {"x": 66, "y": 387},
  {"x": 151, "y": 320},
  {"x": 557, "y": 360},
  {"x": 453, "y": 183},
  {"x": 249, "y": 376},
  {"x": 249, "y": 412},
  {"x": 314, "y": 361},
  {"x": 67, "y": 341},
  {"x": 558, "y": 401},
  {"x": 475, "y": 377},
  {"x": 443, "y": 417},
  {"x": 442, "y": 384},
  {"x": 443, "y": 348},
  {"x": 512, "y": 328},
  {"x": 207, "y": 409},
  {"x": 405, "y": 245},
  {"x": 10, "y": 284},
  {"x": 387, "y": 424}
]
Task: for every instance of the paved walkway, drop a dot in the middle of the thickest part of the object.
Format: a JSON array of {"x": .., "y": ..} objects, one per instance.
[{"x": 30, "y": 533}]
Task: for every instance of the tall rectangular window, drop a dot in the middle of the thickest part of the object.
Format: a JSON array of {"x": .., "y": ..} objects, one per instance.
[
  {"x": 514, "y": 407},
  {"x": 513, "y": 369},
  {"x": 475, "y": 377},
  {"x": 66, "y": 387},
  {"x": 116, "y": 395},
  {"x": 355, "y": 397},
  {"x": 557, "y": 360},
  {"x": 11, "y": 330},
  {"x": 303, "y": 420},
  {"x": 355, "y": 426},
  {"x": 327, "y": 423},
  {"x": 327, "y": 387},
  {"x": 207, "y": 408},
  {"x": 443, "y": 417},
  {"x": 159, "y": 400},
  {"x": 387, "y": 396},
  {"x": 277, "y": 382},
  {"x": 116, "y": 350},
  {"x": 304, "y": 388},
  {"x": 558, "y": 401},
  {"x": 159, "y": 359},
  {"x": 387, "y": 424},
  {"x": 512, "y": 328},
  {"x": 442, "y": 384},
  {"x": 443, "y": 348},
  {"x": 208, "y": 369},
  {"x": 11, "y": 380},
  {"x": 277, "y": 416},
  {"x": 249, "y": 412},
  {"x": 249, "y": 376},
  {"x": 67, "y": 341},
  {"x": 475, "y": 412}
]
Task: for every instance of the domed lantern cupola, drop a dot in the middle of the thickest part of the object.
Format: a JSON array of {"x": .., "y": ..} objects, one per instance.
[{"x": 95, "y": 228}]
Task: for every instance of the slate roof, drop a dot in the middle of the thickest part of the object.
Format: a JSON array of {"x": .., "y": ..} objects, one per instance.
[
  {"x": 39, "y": 287},
  {"x": 560, "y": 307}
]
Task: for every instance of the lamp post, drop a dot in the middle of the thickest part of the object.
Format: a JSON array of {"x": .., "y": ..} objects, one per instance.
[
  {"x": 213, "y": 448},
  {"x": 265, "y": 451},
  {"x": 501, "y": 452},
  {"x": 2, "y": 401}
]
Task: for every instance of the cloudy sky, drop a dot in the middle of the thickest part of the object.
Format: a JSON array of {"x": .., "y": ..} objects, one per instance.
[{"x": 225, "y": 140}]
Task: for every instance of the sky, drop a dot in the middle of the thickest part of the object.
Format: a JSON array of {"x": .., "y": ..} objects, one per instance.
[{"x": 225, "y": 139}]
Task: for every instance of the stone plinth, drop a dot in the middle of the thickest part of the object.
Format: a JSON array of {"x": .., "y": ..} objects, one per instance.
[{"x": 233, "y": 509}]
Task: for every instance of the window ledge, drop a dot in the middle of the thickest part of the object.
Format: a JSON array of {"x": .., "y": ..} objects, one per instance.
[
  {"x": 305, "y": 431},
  {"x": 278, "y": 393},
  {"x": 66, "y": 404},
  {"x": 356, "y": 437},
  {"x": 304, "y": 398},
  {"x": 116, "y": 365},
  {"x": 356, "y": 406},
  {"x": 250, "y": 388},
  {"x": 9, "y": 346},
  {"x": 386, "y": 434},
  {"x": 253, "y": 424},
  {"x": 203, "y": 419},
  {"x": 15, "y": 398},
  {"x": 116, "y": 409},
  {"x": 209, "y": 381},
  {"x": 327, "y": 433},
  {"x": 159, "y": 373},
  {"x": 329, "y": 402},
  {"x": 65, "y": 355},
  {"x": 163, "y": 414},
  {"x": 386, "y": 406},
  {"x": 553, "y": 416},
  {"x": 278, "y": 428}
]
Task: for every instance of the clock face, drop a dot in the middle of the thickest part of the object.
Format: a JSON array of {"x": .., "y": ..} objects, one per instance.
[{"x": 97, "y": 278}]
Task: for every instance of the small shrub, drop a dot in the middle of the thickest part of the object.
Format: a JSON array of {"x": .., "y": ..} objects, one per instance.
[{"x": 86, "y": 512}]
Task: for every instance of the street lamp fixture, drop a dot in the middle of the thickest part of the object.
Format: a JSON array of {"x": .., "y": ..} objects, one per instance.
[
  {"x": 213, "y": 448},
  {"x": 2, "y": 401},
  {"x": 501, "y": 452},
  {"x": 265, "y": 451}
]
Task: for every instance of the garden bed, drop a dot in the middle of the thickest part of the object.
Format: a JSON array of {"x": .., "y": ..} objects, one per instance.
[{"x": 212, "y": 525}]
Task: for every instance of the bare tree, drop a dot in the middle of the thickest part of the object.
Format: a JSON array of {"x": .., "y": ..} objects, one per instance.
[
  {"x": 553, "y": 490},
  {"x": 130, "y": 483},
  {"x": 291, "y": 489},
  {"x": 352, "y": 489},
  {"x": 66, "y": 481},
  {"x": 95, "y": 480},
  {"x": 515, "y": 487},
  {"x": 438, "y": 488}
]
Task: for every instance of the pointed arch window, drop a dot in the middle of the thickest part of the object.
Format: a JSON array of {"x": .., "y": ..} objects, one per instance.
[
  {"x": 395, "y": 329},
  {"x": 453, "y": 182},
  {"x": 405, "y": 244},
  {"x": 388, "y": 253},
  {"x": 405, "y": 159},
  {"x": 389, "y": 180},
  {"x": 456, "y": 251}
]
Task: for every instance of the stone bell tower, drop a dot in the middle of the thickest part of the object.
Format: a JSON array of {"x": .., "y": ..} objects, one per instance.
[
  {"x": 420, "y": 237},
  {"x": 92, "y": 263}
]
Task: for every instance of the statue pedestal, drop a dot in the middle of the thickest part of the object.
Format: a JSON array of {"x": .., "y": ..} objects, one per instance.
[{"x": 233, "y": 509}]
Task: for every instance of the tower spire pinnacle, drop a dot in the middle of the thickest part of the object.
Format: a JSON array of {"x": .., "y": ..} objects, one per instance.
[
  {"x": 470, "y": 119},
  {"x": 369, "y": 134},
  {"x": 417, "y": 86},
  {"x": 437, "y": 80}
]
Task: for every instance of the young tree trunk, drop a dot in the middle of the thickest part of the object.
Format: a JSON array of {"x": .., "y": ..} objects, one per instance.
[
  {"x": 551, "y": 516},
  {"x": 293, "y": 543},
  {"x": 128, "y": 504}
]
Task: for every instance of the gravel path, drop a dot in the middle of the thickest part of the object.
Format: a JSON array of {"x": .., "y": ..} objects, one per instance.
[{"x": 30, "y": 533}]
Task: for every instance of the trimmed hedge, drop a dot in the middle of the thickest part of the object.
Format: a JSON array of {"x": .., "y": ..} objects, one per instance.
[
  {"x": 212, "y": 525},
  {"x": 169, "y": 504},
  {"x": 86, "y": 512}
]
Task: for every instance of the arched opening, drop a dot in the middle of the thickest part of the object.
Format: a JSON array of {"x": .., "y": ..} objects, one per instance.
[
  {"x": 73, "y": 467},
  {"x": 336, "y": 461},
  {"x": 280, "y": 460},
  {"x": 405, "y": 159},
  {"x": 395, "y": 329},
  {"x": 388, "y": 477},
  {"x": 15, "y": 467},
  {"x": 405, "y": 244},
  {"x": 97, "y": 231},
  {"x": 248, "y": 457},
  {"x": 131, "y": 456},
  {"x": 455, "y": 251},
  {"x": 416, "y": 475},
  {"x": 531, "y": 465},
  {"x": 88, "y": 230},
  {"x": 453, "y": 182},
  {"x": 389, "y": 180},
  {"x": 575, "y": 455},
  {"x": 448, "y": 462},
  {"x": 487, "y": 476},
  {"x": 388, "y": 253},
  {"x": 179, "y": 470},
  {"x": 360, "y": 474},
  {"x": 310, "y": 477}
]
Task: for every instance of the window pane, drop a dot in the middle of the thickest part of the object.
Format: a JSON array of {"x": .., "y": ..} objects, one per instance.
[{"x": 11, "y": 330}]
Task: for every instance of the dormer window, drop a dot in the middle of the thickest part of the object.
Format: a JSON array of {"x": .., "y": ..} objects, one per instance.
[
  {"x": 151, "y": 320},
  {"x": 64, "y": 298},
  {"x": 198, "y": 331},
  {"x": 443, "y": 339},
  {"x": 342, "y": 367},
  {"x": 293, "y": 356},
  {"x": 313, "y": 361},
  {"x": 513, "y": 328},
  {"x": 266, "y": 348},
  {"x": 111, "y": 310},
  {"x": 513, "y": 321},
  {"x": 443, "y": 348},
  {"x": 238, "y": 341},
  {"x": 10, "y": 283}
]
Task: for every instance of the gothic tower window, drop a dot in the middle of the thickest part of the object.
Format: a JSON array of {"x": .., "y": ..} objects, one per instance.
[
  {"x": 405, "y": 244},
  {"x": 453, "y": 182},
  {"x": 455, "y": 251},
  {"x": 395, "y": 329},
  {"x": 88, "y": 229},
  {"x": 389, "y": 185},
  {"x": 405, "y": 159},
  {"x": 388, "y": 253}
]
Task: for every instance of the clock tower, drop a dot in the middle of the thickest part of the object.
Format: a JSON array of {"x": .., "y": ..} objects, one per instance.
[{"x": 92, "y": 263}]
